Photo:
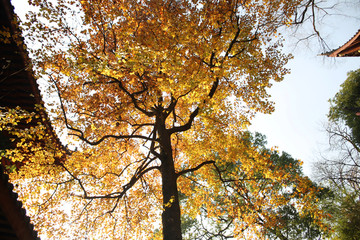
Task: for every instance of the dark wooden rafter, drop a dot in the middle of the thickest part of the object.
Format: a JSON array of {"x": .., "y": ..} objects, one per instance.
[
  {"x": 18, "y": 86},
  {"x": 14, "y": 224}
]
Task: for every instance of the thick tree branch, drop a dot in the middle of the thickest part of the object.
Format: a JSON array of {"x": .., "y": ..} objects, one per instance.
[
  {"x": 195, "y": 168},
  {"x": 188, "y": 125},
  {"x": 299, "y": 18},
  {"x": 97, "y": 142}
]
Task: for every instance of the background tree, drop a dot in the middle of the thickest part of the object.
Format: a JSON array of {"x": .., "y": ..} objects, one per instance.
[
  {"x": 153, "y": 91},
  {"x": 339, "y": 171},
  {"x": 341, "y": 164},
  {"x": 346, "y": 105},
  {"x": 340, "y": 167},
  {"x": 272, "y": 202},
  {"x": 348, "y": 218}
]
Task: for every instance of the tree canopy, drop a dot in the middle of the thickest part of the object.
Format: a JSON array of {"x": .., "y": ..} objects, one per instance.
[{"x": 152, "y": 92}]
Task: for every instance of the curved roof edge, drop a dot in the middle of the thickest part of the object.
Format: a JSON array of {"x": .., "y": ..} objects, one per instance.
[
  {"x": 350, "y": 49},
  {"x": 15, "y": 224}
]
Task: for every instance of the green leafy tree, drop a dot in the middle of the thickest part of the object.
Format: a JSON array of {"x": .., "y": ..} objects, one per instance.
[
  {"x": 348, "y": 218},
  {"x": 346, "y": 105},
  {"x": 292, "y": 223},
  {"x": 340, "y": 167}
]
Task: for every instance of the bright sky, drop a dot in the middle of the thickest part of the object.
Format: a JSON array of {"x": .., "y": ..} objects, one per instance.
[{"x": 301, "y": 100}]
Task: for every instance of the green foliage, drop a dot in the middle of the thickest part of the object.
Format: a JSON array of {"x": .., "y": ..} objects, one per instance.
[
  {"x": 346, "y": 104},
  {"x": 298, "y": 226},
  {"x": 291, "y": 222},
  {"x": 348, "y": 218}
]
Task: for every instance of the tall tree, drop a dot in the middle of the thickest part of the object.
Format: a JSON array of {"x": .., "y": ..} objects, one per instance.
[
  {"x": 346, "y": 105},
  {"x": 339, "y": 170},
  {"x": 150, "y": 90},
  {"x": 340, "y": 167}
]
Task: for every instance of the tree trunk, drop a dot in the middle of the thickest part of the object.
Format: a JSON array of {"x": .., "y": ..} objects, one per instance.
[{"x": 171, "y": 220}]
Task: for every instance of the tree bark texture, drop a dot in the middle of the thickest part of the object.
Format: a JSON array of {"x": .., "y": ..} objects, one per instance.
[{"x": 171, "y": 219}]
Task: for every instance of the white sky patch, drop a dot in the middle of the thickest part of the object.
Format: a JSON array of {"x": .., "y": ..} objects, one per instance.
[{"x": 301, "y": 100}]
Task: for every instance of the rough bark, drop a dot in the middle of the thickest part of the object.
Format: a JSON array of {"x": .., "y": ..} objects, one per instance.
[
  {"x": 171, "y": 220},
  {"x": 171, "y": 215}
]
